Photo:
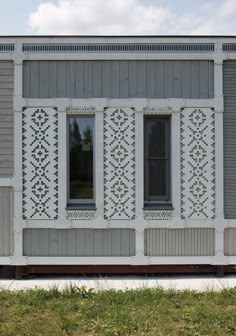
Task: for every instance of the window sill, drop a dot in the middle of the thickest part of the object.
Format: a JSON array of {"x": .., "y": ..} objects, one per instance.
[
  {"x": 81, "y": 206},
  {"x": 158, "y": 206}
]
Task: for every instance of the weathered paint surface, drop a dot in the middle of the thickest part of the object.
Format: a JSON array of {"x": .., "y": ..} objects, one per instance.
[
  {"x": 229, "y": 83},
  {"x": 6, "y": 118},
  {"x": 79, "y": 242},
  {"x": 6, "y": 221},
  {"x": 118, "y": 79},
  {"x": 230, "y": 242},
  {"x": 180, "y": 242}
]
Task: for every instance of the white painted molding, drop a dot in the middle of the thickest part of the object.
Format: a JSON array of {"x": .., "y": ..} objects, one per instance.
[{"x": 6, "y": 182}]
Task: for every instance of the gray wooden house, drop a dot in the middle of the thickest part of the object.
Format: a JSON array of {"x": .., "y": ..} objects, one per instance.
[{"x": 117, "y": 152}]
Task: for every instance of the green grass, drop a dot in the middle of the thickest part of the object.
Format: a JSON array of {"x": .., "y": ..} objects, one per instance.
[{"x": 79, "y": 311}]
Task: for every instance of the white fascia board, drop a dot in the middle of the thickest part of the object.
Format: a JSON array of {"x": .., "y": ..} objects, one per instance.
[
  {"x": 119, "y": 40},
  {"x": 5, "y": 260},
  {"x": 119, "y": 260},
  {"x": 231, "y": 261},
  {"x": 80, "y": 260},
  {"x": 6, "y": 182},
  {"x": 100, "y": 103},
  {"x": 117, "y": 56},
  {"x": 7, "y": 56}
]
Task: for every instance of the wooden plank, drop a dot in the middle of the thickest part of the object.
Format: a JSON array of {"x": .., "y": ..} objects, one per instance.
[
  {"x": 142, "y": 79},
  {"x": 9, "y": 151},
  {"x": 79, "y": 79},
  {"x": 53, "y": 242},
  {"x": 7, "y": 79},
  {"x": 88, "y": 79},
  {"x": 107, "y": 242},
  {"x": 98, "y": 242},
  {"x": 124, "y": 242},
  {"x": 7, "y": 144},
  {"x": 124, "y": 79},
  {"x": 52, "y": 79},
  {"x": 151, "y": 79},
  {"x": 211, "y": 78},
  {"x": 6, "y": 111},
  {"x": 116, "y": 242},
  {"x": 7, "y": 130},
  {"x": 168, "y": 85},
  {"x": 34, "y": 79},
  {"x": 133, "y": 79},
  {"x": 177, "y": 79},
  {"x": 7, "y": 72},
  {"x": 204, "y": 80},
  {"x": 71, "y": 242},
  {"x": 6, "y": 92},
  {"x": 97, "y": 79},
  {"x": 70, "y": 79},
  {"x": 62, "y": 242},
  {"x": 106, "y": 79},
  {"x": 186, "y": 79},
  {"x": 44, "y": 242},
  {"x": 35, "y": 242},
  {"x": 6, "y": 65},
  {"x": 80, "y": 242},
  {"x": 1, "y": 221},
  {"x": 195, "y": 79},
  {"x": 61, "y": 79},
  {"x": 115, "y": 79},
  {"x": 160, "y": 79},
  {"x": 89, "y": 242},
  {"x": 6, "y": 105}
]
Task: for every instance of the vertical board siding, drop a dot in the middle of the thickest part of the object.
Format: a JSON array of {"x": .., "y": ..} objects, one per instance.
[
  {"x": 78, "y": 242},
  {"x": 230, "y": 242},
  {"x": 6, "y": 119},
  {"x": 229, "y": 90},
  {"x": 118, "y": 79},
  {"x": 6, "y": 221},
  {"x": 180, "y": 242}
]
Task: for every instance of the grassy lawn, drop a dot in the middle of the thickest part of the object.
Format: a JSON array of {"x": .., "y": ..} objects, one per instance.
[{"x": 78, "y": 311}]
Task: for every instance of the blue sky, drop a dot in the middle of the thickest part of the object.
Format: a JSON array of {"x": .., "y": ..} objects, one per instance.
[{"x": 22, "y": 17}]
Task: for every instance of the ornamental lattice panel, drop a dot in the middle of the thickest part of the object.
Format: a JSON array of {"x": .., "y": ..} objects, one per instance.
[
  {"x": 40, "y": 163},
  {"x": 119, "y": 163},
  {"x": 197, "y": 163}
]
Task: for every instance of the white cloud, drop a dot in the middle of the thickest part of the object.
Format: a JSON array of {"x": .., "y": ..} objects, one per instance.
[
  {"x": 132, "y": 17},
  {"x": 97, "y": 17}
]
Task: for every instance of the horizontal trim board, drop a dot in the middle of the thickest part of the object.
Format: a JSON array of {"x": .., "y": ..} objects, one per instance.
[{"x": 115, "y": 47}]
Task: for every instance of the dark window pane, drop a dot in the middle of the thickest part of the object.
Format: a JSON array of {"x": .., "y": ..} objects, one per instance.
[
  {"x": 156, "y": 137},
  {"x": 157, "y": 185},
  {"x": 81, "y": 133}
]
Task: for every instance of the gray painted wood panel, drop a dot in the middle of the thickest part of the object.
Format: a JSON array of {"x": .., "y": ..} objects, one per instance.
[
  {"x": 230, "y": 242},
  {"x": 6, "y": 221},
  {"x": 79, "y": 242},
  {"x": 180, "y": 242},
  {"x": 6, "y": 119},
  {"x": 229, "y": 90},
  {"x": 118, "y": 79}
]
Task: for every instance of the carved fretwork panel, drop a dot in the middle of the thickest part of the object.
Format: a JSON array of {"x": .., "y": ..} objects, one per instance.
[
  {"x": 197, "y": 163},
  {"x": 119, "y": 163},
  {"x": 40, "y": 163}
]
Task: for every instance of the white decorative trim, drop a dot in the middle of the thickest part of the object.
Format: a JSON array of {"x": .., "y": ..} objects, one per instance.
[
  {"x": 119, "y": 163},
  {"x": 81, "y": 110},
  {"x": 197, "y": 164},
  {"x": 155, "y": 214},
  {"x": 158, "y": 110},
  {"x": 40, "y": 163},
  {"x": 80, "y": 214}
]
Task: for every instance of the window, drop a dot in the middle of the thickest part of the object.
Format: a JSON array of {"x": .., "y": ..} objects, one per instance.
[
  {"x": 156, "y": 160},
  {"x": 81, "y": 159}
]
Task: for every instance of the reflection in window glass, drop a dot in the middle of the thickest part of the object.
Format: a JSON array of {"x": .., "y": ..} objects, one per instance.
[
  {"x": 81, "y": 175},
  {"x": 156, "y": 159}
]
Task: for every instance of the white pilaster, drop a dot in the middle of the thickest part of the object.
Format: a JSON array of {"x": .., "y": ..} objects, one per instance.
[{"x": 99, "y": 175}]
